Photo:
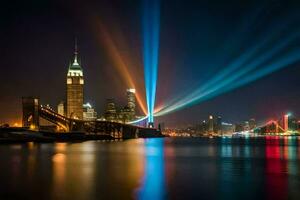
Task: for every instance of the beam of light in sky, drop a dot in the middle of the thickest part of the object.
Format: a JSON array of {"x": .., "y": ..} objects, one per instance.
[
  {"x": 138, "y": 120},
  {"x": 151, "y": 23},
  {"x": 119, "y": 61},
  {"x": 274, "y": 32},
  {"x": 292, "y": 57},
  {"x": 239, "y": 74}
]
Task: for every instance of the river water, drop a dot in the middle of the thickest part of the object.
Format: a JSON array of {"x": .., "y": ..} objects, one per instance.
[{"x": 161, "y": 168}]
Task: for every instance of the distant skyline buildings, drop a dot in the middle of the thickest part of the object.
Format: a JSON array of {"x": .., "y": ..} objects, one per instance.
[
  {"x": 287, "y": 124},
  {"x": 123, "y": 114},
  {"x": 215, "y": 126},
  {"x": 89, "y": 113}
]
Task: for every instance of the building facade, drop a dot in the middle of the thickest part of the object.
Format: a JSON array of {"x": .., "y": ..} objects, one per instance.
[
  {"x": 131, "y": 101},
  {"x": 285, "y": 125},
  {"x": 61, "y": 108},
  {"x": 89, "y": 113},
  {"x": 111, "y": 111}
]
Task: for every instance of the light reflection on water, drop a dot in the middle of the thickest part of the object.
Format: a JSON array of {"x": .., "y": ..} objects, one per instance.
[
  {"x": 153, "y": 181},
  {"x": 168, "y": 168}
]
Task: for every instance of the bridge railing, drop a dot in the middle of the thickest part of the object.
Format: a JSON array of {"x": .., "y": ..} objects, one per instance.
[{"x": 54, "y": 117}]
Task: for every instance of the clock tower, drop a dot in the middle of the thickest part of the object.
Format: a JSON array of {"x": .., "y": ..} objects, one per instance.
[{"x": 75, "y": 84}]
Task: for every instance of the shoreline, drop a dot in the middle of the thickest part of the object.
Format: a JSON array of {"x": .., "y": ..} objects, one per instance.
[{"x": 22, "y": 135}]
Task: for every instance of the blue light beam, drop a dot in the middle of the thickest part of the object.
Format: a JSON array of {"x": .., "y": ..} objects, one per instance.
[
  {"x": 151, "y": 28},
  {"x": 275, "y": 31},
  {"x": 239, "y": 76}
]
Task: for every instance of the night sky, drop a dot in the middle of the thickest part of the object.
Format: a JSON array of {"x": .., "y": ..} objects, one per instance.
[{"x": 197, "y": 39}]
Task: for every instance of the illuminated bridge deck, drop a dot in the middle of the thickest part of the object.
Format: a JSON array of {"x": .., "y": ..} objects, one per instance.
[{"x": 91, "y": 129}]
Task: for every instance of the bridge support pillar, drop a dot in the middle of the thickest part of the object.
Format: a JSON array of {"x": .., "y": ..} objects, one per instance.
[{"x": 30, "y": 112}]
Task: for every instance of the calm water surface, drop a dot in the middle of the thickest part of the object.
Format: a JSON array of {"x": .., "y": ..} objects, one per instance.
[{"x": 168, "y": 168}]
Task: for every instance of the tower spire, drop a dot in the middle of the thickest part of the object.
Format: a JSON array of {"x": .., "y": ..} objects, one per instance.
[{"x": 75, "y": 51}]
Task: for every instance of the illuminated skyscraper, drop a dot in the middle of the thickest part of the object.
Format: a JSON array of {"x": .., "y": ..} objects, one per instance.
[
  {"x": 131, "y": 100},
  {"x": 285, "y": 122},
  {"x": 127, "y": 113},
  {"x": 75, "y": 84},
  {"x": 210, "y": 124}
]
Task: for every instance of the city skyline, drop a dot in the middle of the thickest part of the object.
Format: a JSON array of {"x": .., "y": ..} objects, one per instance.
[
  {"x": 39, "y": 60},
  {"x": 150, "y": 99}
]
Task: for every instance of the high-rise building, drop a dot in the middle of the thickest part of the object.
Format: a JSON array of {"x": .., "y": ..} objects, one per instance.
[
  {"x": 202, "y": 128},
  {"x": 61, "y": 108},
  {"x": 75, "y": 84},
  {"x": 111, "y": 111},
  {"x": 211, "y": 124},
  {"x": 127, "y": 113},
  {"x": 89, "y": 113},
  {"x": 285, "y": 125},
  {"x": 131, "y": 100},
  {"x": 292, "y": 123},
  {"x": 218, "y": 127}
]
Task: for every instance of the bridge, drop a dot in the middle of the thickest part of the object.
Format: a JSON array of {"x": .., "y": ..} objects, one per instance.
[
  {"x": 33, "y": 111},
  {"x": 273, "y": 126}
]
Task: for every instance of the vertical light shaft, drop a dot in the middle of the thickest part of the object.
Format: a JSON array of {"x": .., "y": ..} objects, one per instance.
[{"x": 151, "y": 23}]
